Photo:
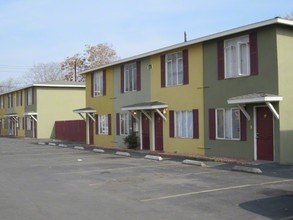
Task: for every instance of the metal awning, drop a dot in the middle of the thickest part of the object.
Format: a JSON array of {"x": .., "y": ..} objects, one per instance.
[
  {"x": 256, "y": 98},
  {"x": 145, "y": 106},
  {"x": 14, "y": 116},
  {"x": 32, "y": 115},
  {"x": 88, "y": 111}
]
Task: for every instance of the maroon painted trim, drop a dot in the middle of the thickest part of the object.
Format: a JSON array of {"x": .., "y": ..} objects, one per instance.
[
  {"x": 195, "y": 123},
  {"x": 97, "y": 123},
  {"x": 163, "y": 71},
  {"x": 212, "y": 124},
  {"x": 185, "y": 67},
  {"x": 92, "y": 85},
  {"x": 171, "y": 124},
  {"x": 138, "y": 76},
  {"x": 117, "y": 123},
  {"x": 221, "y": 62},
  {"x": 242, "y": 127},
  {"x": 104, "y": 83},
  {"x": 253, "y": 53},
  {"x": 122, "y": 79},
  {"x": 109, "y": 124}
]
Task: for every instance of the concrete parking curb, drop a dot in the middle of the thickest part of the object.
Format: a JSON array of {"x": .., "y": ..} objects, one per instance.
[
  {"x": 152, "y": 157},
  {"x": 79, "y": 148},
  {"x": 121, "y": 153},
  {"x": 98, "y": 150},
  {"x": 52, "y": 144},
  {"x": 41, "y": 143},
  {"x": 247, "y": 169},
  {"x": 62, "y": 145},
  {"x": 194, "y": 162}
]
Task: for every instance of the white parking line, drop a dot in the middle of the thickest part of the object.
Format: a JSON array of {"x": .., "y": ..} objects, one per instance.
[{"x": 216, "y": 190}]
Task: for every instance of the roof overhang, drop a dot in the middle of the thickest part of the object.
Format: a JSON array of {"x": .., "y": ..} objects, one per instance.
[
  {"x": 31, "y": 115},
  {"x": 256, "y": 98},
  {"x": 87, "y": 111},
  {"x": 14, "y": 116},
  {"x": 146, "y": 106}
]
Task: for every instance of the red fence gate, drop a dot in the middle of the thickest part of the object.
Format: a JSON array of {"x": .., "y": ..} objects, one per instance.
[{"x": 74, "y": 130}]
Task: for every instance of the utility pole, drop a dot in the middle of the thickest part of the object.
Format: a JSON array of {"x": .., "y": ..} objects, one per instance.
[{"x": 74, "y": 70}]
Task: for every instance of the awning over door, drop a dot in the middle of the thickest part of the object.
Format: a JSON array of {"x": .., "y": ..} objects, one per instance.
[
  {"x": 88, "y": 111},
  {"x": 146, "y": 106},
  {"x": 14, "y": 116},
  {"x": 31, "y": 115},
  {"x": 256, "y": 98}
]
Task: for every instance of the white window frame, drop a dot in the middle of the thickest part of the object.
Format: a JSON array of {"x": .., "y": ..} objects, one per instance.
[
  {"x": 174, "y": 69},
  {"x": 28, "y": 123},
  {"x": 10, "y": 100},
  {"x": 30, "y": 96},
  {"x": 183, "y": 121},
  {"x": 98, "y": 83},
  {"x": 103, "y": 124},
  {"x": 2, "y": 102},
  {"x": 227, "y": 124},
  {"x": 234, "y": 57},
  {"x": 130, "y": 77},
  {"x": 125, "y": 124}
]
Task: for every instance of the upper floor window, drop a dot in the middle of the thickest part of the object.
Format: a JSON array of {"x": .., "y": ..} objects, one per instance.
[
  {"x": 174, "y": 69},
  {"x": 130, "y": 77},
  {"x": 19, "y": 98},
  {"x": 238, "y": 56},
  {"x": 98, "y": 84},
  {"x": 10, "y": 100},
  {"x": 1, "y": 102},
  {"x": 228, "y": 124},
  {"x": 30, "y": 96}
]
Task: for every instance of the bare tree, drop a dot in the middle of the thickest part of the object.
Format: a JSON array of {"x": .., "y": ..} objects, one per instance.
[
  {"x": 43, "y": 72},
  {"x": 93, "y": 56},
  {"x": 289, "y": 16},
  {"x": 9, "y": 84}
]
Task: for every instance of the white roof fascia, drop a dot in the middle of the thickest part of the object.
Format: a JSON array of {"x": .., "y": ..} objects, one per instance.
[
  {"x": 144, "y": 108},
  {"x": 198, "y": 40},
  {"x": 255, "y": 100}
]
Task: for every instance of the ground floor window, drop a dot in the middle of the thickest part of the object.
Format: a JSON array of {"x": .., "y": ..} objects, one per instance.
[
  {"x": 125, "y": 124},
  {"x": 28, "y": 124},
  {"x": 102, "y": 124},
  {"x": 184, "y": 124},
  {"x": 228, "y": 124}
]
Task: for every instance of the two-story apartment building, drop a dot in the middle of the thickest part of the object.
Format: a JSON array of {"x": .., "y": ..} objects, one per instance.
[
  {"x": 32, "y": 111},
  {"x": 248, "y": 97},
  {"x": 158, "y": 95},
  {"x": 226, "y": 94}
]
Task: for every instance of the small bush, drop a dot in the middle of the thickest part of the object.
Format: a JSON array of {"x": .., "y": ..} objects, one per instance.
[{"x": 131, "y": 141}]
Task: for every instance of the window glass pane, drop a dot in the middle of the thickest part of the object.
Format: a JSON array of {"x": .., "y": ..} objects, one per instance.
[
  {"x": 235, "y": 124},
  {"x": 174, "y": 71},
  {"x": 103, "y": 124},
  {"x": 130, "y": 78},
  {"x": 243, "y": 58},
  {"x": 98, "y": 84},
  {"x": 220, "y": 123}
]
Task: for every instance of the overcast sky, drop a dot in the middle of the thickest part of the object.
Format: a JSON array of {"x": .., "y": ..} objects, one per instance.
[{"x": 42, "y": 31}]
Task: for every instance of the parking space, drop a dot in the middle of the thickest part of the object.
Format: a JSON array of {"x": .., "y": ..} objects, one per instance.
[{"x": 51, "y": 182}]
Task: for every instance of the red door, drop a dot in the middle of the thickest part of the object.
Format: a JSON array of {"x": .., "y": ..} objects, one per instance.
[
  {"x": 158, "y": 132},
  {"x": 264, "y": 134},
  {"x": 91, "y": 130},
  {"x": 145, "y": 132}
]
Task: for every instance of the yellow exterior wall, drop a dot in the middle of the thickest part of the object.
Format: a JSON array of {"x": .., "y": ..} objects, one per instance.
[
  {"x": 181, "y": 98},
  {"x": 3, "y": 111},
  {"x": 103, "y": 106},
  {"x": 19, "y": 110},
  {"x": 57, "y": 104}
]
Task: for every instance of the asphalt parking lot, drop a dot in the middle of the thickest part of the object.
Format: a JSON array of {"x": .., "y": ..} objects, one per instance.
[{"x": 44, "y": 182}]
